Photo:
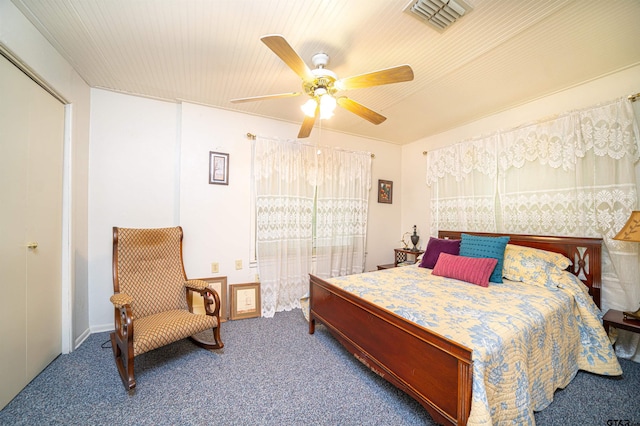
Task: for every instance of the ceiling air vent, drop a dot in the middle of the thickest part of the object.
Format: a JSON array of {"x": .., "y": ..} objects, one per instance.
[{"x": 440, "y": 14}]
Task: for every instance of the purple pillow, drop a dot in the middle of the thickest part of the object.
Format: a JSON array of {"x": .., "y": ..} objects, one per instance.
[
  {"x": 474, "y": 270},
  {"x": 435, "y": 246}
]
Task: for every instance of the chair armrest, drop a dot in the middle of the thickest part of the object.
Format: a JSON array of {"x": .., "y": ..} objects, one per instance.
[
  {"x": 196, "y": 285},
  {"x": 210, "y": 296},
  {"x": 122, "y": 336},
  {"x": 120, "y": 300}
]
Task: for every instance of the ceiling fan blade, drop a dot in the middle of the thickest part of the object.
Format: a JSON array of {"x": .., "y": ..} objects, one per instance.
[
  {"x": 265, "y": 97},
  {"x": 376, "y": 78},
  {"x": 307, "y": 125},
  {"x": 360, "y": 110},
  {"x": 280, "y": 47}
]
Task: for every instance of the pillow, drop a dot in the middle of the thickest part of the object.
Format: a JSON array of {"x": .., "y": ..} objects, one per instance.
[
  {"x": 478, "y": 246},
  {"x": 474, "y": 270},
  {"x": 528, "y": 264},
  {"x": 435, "y": 246},
  {"x": 514, "y": 253}
]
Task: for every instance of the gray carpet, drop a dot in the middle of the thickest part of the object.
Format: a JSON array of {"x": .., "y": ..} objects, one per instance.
[{"x": 270, "y": 372}]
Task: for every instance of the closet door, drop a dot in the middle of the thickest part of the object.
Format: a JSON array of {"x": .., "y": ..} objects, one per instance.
[{"x": 31, "y": 161}]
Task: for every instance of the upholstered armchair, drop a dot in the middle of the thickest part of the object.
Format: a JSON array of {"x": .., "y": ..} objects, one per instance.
[{"x": 152, "y": 300}]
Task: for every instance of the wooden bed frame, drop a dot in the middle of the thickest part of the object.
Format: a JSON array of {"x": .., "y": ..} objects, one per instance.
[{"x": 435, "y": 371}]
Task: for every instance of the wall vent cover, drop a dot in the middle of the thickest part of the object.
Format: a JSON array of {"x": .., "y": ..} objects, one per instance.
[{"x": 440, "y": 14}]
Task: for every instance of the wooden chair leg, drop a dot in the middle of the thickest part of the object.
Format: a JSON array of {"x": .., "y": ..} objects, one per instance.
[
  {"x": 124, "y": 362},
  {"x": 211, "y": 298},
  {"x": 216, "y": 337},
  {"x": 209, "y": 343}
]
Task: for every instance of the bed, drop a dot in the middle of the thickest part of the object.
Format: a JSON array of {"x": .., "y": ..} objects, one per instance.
[{"x": 454, "y": 358}]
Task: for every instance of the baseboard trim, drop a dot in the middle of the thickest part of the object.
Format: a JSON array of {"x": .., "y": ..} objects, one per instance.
[
  {"x": 101, "y": 328},
  {"x": 80, "y": 339}
]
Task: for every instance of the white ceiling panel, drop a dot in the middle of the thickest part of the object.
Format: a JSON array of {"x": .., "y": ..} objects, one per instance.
[{"x": 501, "y": 54}]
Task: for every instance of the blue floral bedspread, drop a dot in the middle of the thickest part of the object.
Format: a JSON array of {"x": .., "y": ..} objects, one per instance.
[{"x": 528, "y": 339}]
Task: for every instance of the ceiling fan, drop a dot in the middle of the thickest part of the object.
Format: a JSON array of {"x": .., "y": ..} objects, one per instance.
[{"x": 322, "y": 84}]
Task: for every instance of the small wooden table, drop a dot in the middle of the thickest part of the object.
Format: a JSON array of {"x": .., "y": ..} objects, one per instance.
[
  {"x": 406, "y": 255},
  {"x": 616, "y": 319}
]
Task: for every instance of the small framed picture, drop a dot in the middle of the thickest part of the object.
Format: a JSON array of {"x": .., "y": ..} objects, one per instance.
[
  {"x": 218, "y": 168},
  {"x": 385, "y": 191},
  {"x": 245, "y": 301},
  {"x": 219, "y": 284}
]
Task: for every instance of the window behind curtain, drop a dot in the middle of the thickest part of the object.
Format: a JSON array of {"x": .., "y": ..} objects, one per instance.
[{"x": 301, "y": 191}]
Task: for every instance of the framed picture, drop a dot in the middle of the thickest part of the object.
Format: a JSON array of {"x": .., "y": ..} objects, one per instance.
[
  {"x": 218, "y": 168},
  {"x": 245, "y": 301},
  {"x": 219, "y": 284},
  {"x": 385, "y": 191}
]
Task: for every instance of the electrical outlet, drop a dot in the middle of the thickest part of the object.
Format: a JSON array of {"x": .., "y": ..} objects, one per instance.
[
  {"x": 239, "y": 264},
  {"x": 257, "y": 278},
  {"x": 215, "y": 267}
]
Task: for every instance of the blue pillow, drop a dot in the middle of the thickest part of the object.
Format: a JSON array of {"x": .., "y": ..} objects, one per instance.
[{"x": 477, "y": 246}]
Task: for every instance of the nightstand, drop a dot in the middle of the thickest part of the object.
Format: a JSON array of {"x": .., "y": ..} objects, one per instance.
[
  {"x": 406, "y": 256},
  {"x": 616, "y": 319}
]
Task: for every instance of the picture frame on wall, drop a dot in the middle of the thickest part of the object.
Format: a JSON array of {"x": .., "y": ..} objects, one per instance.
[
  {"x": 385, "y": 191},
  {"x": 218, "y": 168},
  {"x": 245, "y": 301},
  {"x": 219, "y": 284}
]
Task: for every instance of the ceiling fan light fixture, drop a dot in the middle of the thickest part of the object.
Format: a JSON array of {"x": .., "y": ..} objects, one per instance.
[
  {"x": 327, "y": 106},
  {"x": 309, "y": 108}
]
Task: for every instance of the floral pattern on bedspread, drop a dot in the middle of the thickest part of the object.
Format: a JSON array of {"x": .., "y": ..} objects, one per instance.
[{"x": 528, "y": 339}]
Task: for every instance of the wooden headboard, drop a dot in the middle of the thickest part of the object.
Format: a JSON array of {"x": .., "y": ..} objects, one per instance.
[{"x": 585, "y": 253}]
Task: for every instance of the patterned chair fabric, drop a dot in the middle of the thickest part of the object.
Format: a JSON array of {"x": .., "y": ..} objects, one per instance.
[
  {"x": 167, "y": 327},
  {"x": 150, "y": 297},
  {"x": 150, "y": 269}
]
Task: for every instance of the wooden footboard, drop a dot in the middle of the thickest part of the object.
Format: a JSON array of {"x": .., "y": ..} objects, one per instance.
[{"x": 435, "y": 371}]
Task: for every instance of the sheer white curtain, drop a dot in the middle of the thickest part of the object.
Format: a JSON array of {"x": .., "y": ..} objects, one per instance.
[
  {"x": 289, "y": 178},
  {"x": 284, "y": 175},
  {"x": 463, "y": 184},
  {"x": 344, "y": 180},
  {"x": 571, "y": 175},
  {"x": 575, "y": 175}
]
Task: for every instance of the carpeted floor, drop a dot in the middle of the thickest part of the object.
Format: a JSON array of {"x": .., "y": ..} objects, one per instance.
[{"x": 270, "y": 372}]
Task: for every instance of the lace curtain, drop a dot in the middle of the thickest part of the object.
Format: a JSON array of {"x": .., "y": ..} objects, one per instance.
[
  {"x": 298, "y": 186},
  {"x": 571, "y": 175},
  {"x": 284, "y": 175},
  {"x": 584, "y": 185},
  {"x": 463, "y": 181},
  {"x": 344, "y": 181}
]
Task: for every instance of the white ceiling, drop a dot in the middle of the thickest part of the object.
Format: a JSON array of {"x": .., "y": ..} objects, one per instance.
[{"x": 501, "y": 54}]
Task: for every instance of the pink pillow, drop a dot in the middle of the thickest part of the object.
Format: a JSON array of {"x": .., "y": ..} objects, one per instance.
[{"x": 474, "y": 270}]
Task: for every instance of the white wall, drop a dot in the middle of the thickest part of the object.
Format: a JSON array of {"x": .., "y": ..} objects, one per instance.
[
  {"x": 149, "y": 167},
  {"x": 132, "y": 179},
  {"x": 414, "y": 163},
  {"x": 24, "y": 41}
]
